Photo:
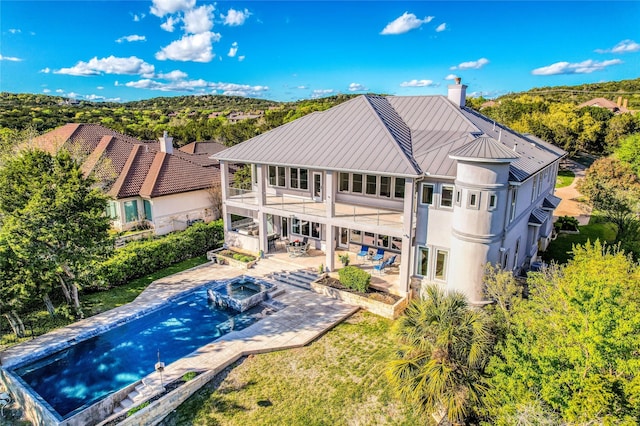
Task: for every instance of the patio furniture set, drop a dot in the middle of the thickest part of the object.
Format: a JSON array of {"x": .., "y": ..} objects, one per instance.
[{"x": 377, "y": 257}]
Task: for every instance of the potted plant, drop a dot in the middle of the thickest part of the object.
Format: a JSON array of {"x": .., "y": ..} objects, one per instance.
[{"x": 344, "y": 259}]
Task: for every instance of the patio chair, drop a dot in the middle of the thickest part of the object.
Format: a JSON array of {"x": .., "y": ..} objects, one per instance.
[
  {"x": 304, "y": 249},
  {"x": 381, "y": 267},
  {"x": 364, "y": 252},
  {"x": 378, "y": 256}
]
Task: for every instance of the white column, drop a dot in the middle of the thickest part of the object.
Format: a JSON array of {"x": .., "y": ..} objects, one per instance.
[
  {"x": 261, "y": 177},
  {"x": 330, "y": 206},
  {"x": 262, "y": 216},
  {"x": 224, "y": 188},
  {"x": 407, "y": 236}
]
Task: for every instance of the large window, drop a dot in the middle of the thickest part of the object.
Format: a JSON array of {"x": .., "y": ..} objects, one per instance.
[
  {"x": 385, "y": 186},
  {"x": 299, "y": 178},
  {"x": 147, "y": 209},
  {"x": 131, "y": 211},
  {"x": 442, "y": 257},
  {"x": 446, "y": 196},
  {"x": 427, "y": 194},
  {"x": 372, "y": 185},
  {"x": 514, "y": 199},
  {"x": 398, "y": 191},
  {"x": 344, "y": 182},
  {"x": 423, "y": 261},
  {"x": 277, "y": 176},
  {"x": 305, "y": 228},
  {"x": 112, "y": 210},
  {"x": 356, "y": 183}
]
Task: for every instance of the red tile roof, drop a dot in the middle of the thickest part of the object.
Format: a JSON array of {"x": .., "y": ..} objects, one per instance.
[{"x": 129, "y": 167}]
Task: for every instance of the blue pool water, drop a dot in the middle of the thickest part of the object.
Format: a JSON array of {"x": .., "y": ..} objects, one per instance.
[{"x": 88, "y": 371}]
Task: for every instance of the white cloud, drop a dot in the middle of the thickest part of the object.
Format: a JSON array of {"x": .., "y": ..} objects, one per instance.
[
  {"x": 198, "y": 85},
  {"x": 302, "y": 87},
  {"x": 45, "y": 70},
  {"x": 440, "y": 28},
  {"x": 169, "y": 24},
  {"x": 73, "y": 95},
  {"x": 59, "y": 91},
  {"x": 625, "y": 46},
  {"x": 584, "y": 67},
  {"x": 471, "y": 65},
  {"x": 405, "y": 23},
  {"x": 46, "y": 90},
  {"x": 451, "y": 77},
  {"x": 317, "y": 93},
  {"x": 111, "y": 65},
  {"x": 173, "y": 75},
  {"x": 167, "y": 7},
  {"x": 235, "y": 17},
  {"x": 10, "y": 58},
  {"x": 14, "y": 30},
  {"x": 198, "y": 20},
  {"x": 100, "y": 87},
  {"x": 138, "y": 18},
  {"x": 357, "y": 87},
  {"x": 233, "y": 50},
  {"x": 196, "y": 48},
  {"x": 417, "y": 83},
  {"x": 131, "y": 38},
  {"x": 241, "y": 58},
  {"x": 93, "y": 97}
]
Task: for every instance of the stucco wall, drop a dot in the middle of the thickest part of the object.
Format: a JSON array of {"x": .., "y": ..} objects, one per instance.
[{"x": 172, "y": 212}]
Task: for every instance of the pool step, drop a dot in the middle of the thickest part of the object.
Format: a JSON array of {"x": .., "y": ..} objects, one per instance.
[{"x": 291, "y": 280}]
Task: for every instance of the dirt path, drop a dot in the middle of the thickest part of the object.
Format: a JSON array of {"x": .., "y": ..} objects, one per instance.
[{"x": 570, "y": 206}]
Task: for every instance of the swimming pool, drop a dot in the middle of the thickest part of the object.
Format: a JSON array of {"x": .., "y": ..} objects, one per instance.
[{"x": 78, "y": 376}]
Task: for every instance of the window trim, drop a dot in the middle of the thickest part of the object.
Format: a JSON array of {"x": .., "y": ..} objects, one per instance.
[
  {"x": 395, "y": 188},
  {"x": 492, "y": 196},
  {"x": 419, "y": 263},
  {"x": 445, "y": 266},
  {"x": 442, "y": 188},
  {"x": 475, "y": 205},
  {"x": 433, "y": 191}
]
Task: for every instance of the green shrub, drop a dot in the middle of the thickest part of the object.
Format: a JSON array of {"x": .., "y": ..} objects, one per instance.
[
  {"x": 354, "y": 278},
  {"x": 566, "y": 223},
  {"x": 188, "y": 376},
  {"x": 138, "y": 408},
  {"x": 140, "y": 258},
  {"x": 344, "y": 259}
]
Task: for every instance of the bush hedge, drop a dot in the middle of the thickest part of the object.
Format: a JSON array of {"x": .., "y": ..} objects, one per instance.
[
  {"x": 143, "y": 257},
  {"x": 354, "y": 278}
]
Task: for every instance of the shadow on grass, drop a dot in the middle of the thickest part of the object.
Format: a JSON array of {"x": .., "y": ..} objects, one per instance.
[{"x": 560, "y": 250}]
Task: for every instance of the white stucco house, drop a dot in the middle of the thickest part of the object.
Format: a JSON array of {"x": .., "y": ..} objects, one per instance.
[
  {"x": 151, "y": 184},
  {"x": 424, "y": 177}
]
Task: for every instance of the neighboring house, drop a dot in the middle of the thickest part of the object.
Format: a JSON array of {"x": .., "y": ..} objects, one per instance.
[
  {"x": 617, "y": 108},
  {"x": 424, "y": 177},
  {"x": 235, "y": 117},
  {"x": 150, "y": 183}
]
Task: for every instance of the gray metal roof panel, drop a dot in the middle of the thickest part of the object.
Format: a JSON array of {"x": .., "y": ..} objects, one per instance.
[
  {"x": 538, "y": 217},
  {"x": 351, "y": 136},
  {"x": 484, "y": 148},
  {"x": 551, "y": 202}
]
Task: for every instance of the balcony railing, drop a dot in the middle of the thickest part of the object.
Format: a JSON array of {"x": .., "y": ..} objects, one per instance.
[{"x": 292, "y": 205}]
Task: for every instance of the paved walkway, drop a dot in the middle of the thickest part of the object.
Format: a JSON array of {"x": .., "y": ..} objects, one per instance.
[{"x": 570, "y": 206}]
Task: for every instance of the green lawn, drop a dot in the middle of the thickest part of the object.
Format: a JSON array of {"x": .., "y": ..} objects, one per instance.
[
  {"x": 40, "y": 322},
  {"x": 336, "y": 380},
  {"x": 565, "y": 178},
  {"x": 560, "y": 249}
]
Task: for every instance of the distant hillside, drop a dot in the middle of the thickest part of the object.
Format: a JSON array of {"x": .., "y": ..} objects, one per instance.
[{"x": 612, "y": 90}]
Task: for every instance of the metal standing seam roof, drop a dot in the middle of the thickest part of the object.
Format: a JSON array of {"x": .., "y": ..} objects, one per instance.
[
  {"x": 398, "y": 135},
  {"x": 551, "y": 202},
  {"x": 538, "y": 216}
]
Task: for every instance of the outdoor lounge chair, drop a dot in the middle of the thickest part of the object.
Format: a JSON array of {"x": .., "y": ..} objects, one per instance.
[
  {"x": 378, "y": 256},
  {"x": 381, "y": 267},
  {"x": 304, "y": 249},
  {"x": 364, "y": 252}
]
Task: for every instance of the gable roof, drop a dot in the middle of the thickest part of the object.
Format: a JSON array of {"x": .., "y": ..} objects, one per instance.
[
  {"x": 394, "y": 135},
  {"x": 129, "y": 167}
]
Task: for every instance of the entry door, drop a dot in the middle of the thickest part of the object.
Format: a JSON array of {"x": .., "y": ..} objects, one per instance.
[
  {"x": 317, "y": 186},
  {"x": 343, "y": 240}
]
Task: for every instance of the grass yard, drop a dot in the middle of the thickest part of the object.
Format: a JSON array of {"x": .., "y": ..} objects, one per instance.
[
  {"x": 560, "y": 249},
  {"x": 336, "y": 380},
  {"x": 40, "y": 322},
  {"x": 565, "y": 178}
]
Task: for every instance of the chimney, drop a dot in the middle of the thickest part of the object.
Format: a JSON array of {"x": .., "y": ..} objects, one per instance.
[
  {"x": 619, "y": 101},
  {"x": 166, "y": 143},
  {"x": 457, "y": 93},
  {"x": 625, "y": 102}
]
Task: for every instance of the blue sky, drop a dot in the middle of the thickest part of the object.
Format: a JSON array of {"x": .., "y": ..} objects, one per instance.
[{"x": 290, "y": 50}]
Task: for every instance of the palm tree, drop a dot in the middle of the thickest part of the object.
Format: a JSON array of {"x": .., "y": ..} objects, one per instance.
[{"x": 445, "y": 345}]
